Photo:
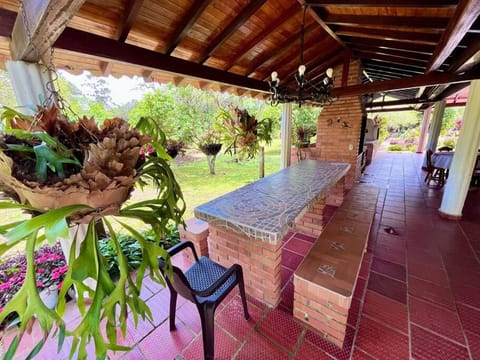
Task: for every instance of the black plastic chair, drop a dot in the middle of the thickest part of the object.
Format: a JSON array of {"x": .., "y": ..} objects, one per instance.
[{"x": 206, "y": 284}]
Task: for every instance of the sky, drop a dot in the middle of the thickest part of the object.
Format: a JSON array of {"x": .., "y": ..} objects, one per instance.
[{"x": 122, "y": 89}]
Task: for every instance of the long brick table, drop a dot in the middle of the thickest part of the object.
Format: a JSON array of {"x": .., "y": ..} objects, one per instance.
[{"x": 247, "y": 225}]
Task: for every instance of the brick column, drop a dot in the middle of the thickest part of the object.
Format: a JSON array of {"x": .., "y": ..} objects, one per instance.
[
  {"x": 337, "y": 193},
  {"x": 197, "y": 233},
  {"x": 261, "y": 262},
  {"x": 311, "y": 222}
]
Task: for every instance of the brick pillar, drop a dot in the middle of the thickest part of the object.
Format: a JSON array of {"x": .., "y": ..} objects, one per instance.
[
  {"x": 311, "y": 222},
  {"x": 260, "y": 261},
  {"x": 336, "y": 194},
  {"x": 196, "y": 232},
  {"x": 339, "y": 125}
]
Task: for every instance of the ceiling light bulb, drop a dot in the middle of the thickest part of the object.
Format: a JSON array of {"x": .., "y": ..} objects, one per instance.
[
  {"x": 329, "y": 72},
  {"x": 274, "y": 76},
  {"x": 301, "y": 70}
]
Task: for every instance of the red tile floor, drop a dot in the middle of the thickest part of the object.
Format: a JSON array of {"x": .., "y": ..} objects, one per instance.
[{"x": 417, "y": 297}]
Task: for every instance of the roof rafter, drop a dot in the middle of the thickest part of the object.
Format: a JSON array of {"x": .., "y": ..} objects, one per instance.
[
  {"x": 384, "y": 3},
  {"x": 393, "y": 59},
  {"x": 131, "y": 11},
  {"x": 385, "y": 34},
  {"x": 240, "y": 19},
  {"x": 389, "y": 21},
  {"x": 263, "y": 35},
  {"x": 186, "y": 24},
  {"x": 465, "y": 15}
]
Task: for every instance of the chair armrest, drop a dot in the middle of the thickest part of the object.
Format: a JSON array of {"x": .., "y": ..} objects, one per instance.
[
  {"x": 181, "y": 246},
  {"x": 235, "y": 268}
]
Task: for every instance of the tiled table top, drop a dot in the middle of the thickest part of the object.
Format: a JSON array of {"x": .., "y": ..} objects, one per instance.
[{"x": 267, "y": 208}]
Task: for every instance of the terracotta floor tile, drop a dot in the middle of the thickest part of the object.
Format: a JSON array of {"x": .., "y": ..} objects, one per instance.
[
  {"x": 308, "y": 238},
  {"x": 287, "y": 296},
  {"x": 354, "y": 312},
  {"x": 290, "y": 259},
  {"x": 343, "y": 353},
  {"x": 427, "y": 272},
  {"x": 159, "y": 305},
  {"x": 466, "y": 295},
  {"x": 286, "y": 275},
  {"x": 380, "y": 341},
  {"x": 189, "y": 315},
  {"x": 361, "y": 355},
  {"x": 280, "y": 326},
  {"x": 387, "y": 311},
  {"x": 390, "y": 288},
  {"x": 389, "y": 269},
  {"x": 470, "y": 318},
  {"x": 307, "y": 350},
  {"x": 232, "y": 319},
  {"x": 299, "y": 246},
  {"x": 436, "y": 319},
  {"x": 360, "y": 288},
  {"x": 259, "y": 347},
  {"x": 389, "y": 253},
  {"x": 225, "y": 347},
  {"x": 474, "y": 344},
  {"x": 165, "y": 344},
  {"x": 430, "y": 292},
  {"x": 134, "y": 354},
  {"x": 427, "y": 346}
]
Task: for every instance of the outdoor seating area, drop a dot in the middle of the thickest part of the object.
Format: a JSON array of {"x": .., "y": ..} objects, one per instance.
[{"x": 417, "y": 295}]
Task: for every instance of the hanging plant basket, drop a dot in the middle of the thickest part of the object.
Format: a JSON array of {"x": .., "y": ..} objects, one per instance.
[
  {"x": 67, "y": 173},
  {"x": 210, "y": 149}
]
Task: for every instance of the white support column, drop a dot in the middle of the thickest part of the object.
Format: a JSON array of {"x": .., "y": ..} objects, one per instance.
[
  {"x": 435, "y": 127},
  {"x": 464, "y": 159},
  {"x": 286, "y": 136},
  {"x": 29, "y": 81},
  {"x": 424, "y": 129}
]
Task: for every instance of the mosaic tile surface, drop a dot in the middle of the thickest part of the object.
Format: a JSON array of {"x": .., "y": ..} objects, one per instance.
[{"x": 267, "y": 208}]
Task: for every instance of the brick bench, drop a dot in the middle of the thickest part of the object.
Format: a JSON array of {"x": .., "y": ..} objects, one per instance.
[{"x": 325, "y": 281}]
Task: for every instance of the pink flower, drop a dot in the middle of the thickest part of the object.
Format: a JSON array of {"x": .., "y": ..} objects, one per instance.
[
  {"x": 5, "y": 285},
  {"x": 40, "y": 284},
  {"x": 40, "y": 270},
  {"x": 59, "y": 286}
]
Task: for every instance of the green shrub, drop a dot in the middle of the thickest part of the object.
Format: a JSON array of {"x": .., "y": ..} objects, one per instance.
[{"x": 395, "y": 148}]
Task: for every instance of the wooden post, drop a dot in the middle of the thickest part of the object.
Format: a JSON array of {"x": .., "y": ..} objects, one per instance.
[{"x": 261, "y": 163}]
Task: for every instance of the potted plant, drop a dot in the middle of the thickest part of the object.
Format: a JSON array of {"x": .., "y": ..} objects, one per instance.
[
  {"x": 70, "y": 176},
  {"x": 174, "y": 147},
  {"x": 303, "y": 133},
  {"x": 210, "y": 145}
]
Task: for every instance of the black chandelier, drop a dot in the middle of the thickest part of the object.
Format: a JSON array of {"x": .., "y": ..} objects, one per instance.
[{"x": 319, "y": 93}]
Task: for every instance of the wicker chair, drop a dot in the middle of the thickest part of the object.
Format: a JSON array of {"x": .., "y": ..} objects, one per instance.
[
  {"x": 434, "y": 173},
  {"x": 205, "y": 284}
]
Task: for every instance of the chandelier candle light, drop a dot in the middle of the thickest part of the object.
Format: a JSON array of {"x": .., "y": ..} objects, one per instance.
[{"x": 306, "y": 91}]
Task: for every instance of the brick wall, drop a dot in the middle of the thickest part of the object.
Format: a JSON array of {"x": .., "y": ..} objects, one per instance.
[{"x": 334, "y": 141}]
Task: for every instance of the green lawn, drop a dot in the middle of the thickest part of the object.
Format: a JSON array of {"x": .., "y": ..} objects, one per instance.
[{"x": 199, "y": 186}]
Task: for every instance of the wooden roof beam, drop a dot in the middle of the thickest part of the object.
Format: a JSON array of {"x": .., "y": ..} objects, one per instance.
[
  {"x": 393, "y": 45},
  {"x": 323, "y": 24},
  {"x": 433, "y": 78},
  {"x": 240, "y": 19},
  {"x": 131, "y": 12},
  {"x": 106, "y": 68},
  {"x": 406, "y": 108},
  {"x": 404, "y": 69},
  {"x": 388, "y": 21},
  {"x": 108, "y": 49},
  {"x": 384, "y": 3},
  {"x": 406, "y": 54},
  {"x": 398, "y": 102},
  {"x": 186, "y": 24},
  {"x": 463, "y": 61},
  {"x": 390, "y": 58},
  {"x": 263, "y": 35},
  {"x": 385, "y": 34},
  {"x": 45, "y": 21},
  {"x": 465, "y": 15}
]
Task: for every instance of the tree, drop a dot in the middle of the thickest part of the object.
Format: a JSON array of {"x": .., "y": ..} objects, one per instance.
[{"x": 7, "y": 95}]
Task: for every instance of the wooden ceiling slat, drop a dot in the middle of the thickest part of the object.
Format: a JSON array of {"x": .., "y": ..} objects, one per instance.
[
  {"x": 388, "y": 21},
  {"x": 405, "y": 108},
  {"x": 392, "y": 52},
  {"x": 391, "y": 66},
  {"x": 106, "y": 67},
  {"x": 263, "y": 35},
  {"x": 465, "y": 15},
  {"x": 384, "y": 3},
  {"x": 131, "y": 12},
  {"x": 390, "y": 58},
  {"x": 186, "y": 24},
  {"x": 459, "y": 64},
  {"x": 398, "y": 102},
  {"x": 240, "y": 19},
  {"x": 406, "y": 83},
  {"x": 394, "y": 45},
  {"x": 395, "y": 35}
]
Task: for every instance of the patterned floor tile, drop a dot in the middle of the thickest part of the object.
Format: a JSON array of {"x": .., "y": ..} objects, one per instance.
[
  {"x": 430, "y": 292},
  {"x": 361, "y": 355},
  {"x": 287, "y": 297},
  {"x": 360, "y": 288},
  {"x": 343, "y": 353},
  {"x": 380, "y": 341},
  {"x": 386, "y": 311},
  {"x": 474, "y": 344},
  {"x": 286, "y": 274},
  {"x": 436, "y": 319},
  {"x": 390, "y": 288},
  {"x": 225, "y": 347},
  {"x": 427, "y": 346},
  {"x": 307, "y": 350},
  {"x": 298, "y": 246},
  {"x": 290, "y": 259},
  {"x": 259, "y": 347},
  {"x": 280, "y": 326},
  {"x": 354, "y": 312},
  {"x": 389, "y": 269},
  {"x": 232, "y": 319},
  {"x": 308, "y": 238},
  {"x": 466, "y": 295},
  {"x": 470, "y": 318}
]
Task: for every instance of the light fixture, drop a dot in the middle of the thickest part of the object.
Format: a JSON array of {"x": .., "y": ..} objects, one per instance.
[{"x": 318, "y": 93}]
